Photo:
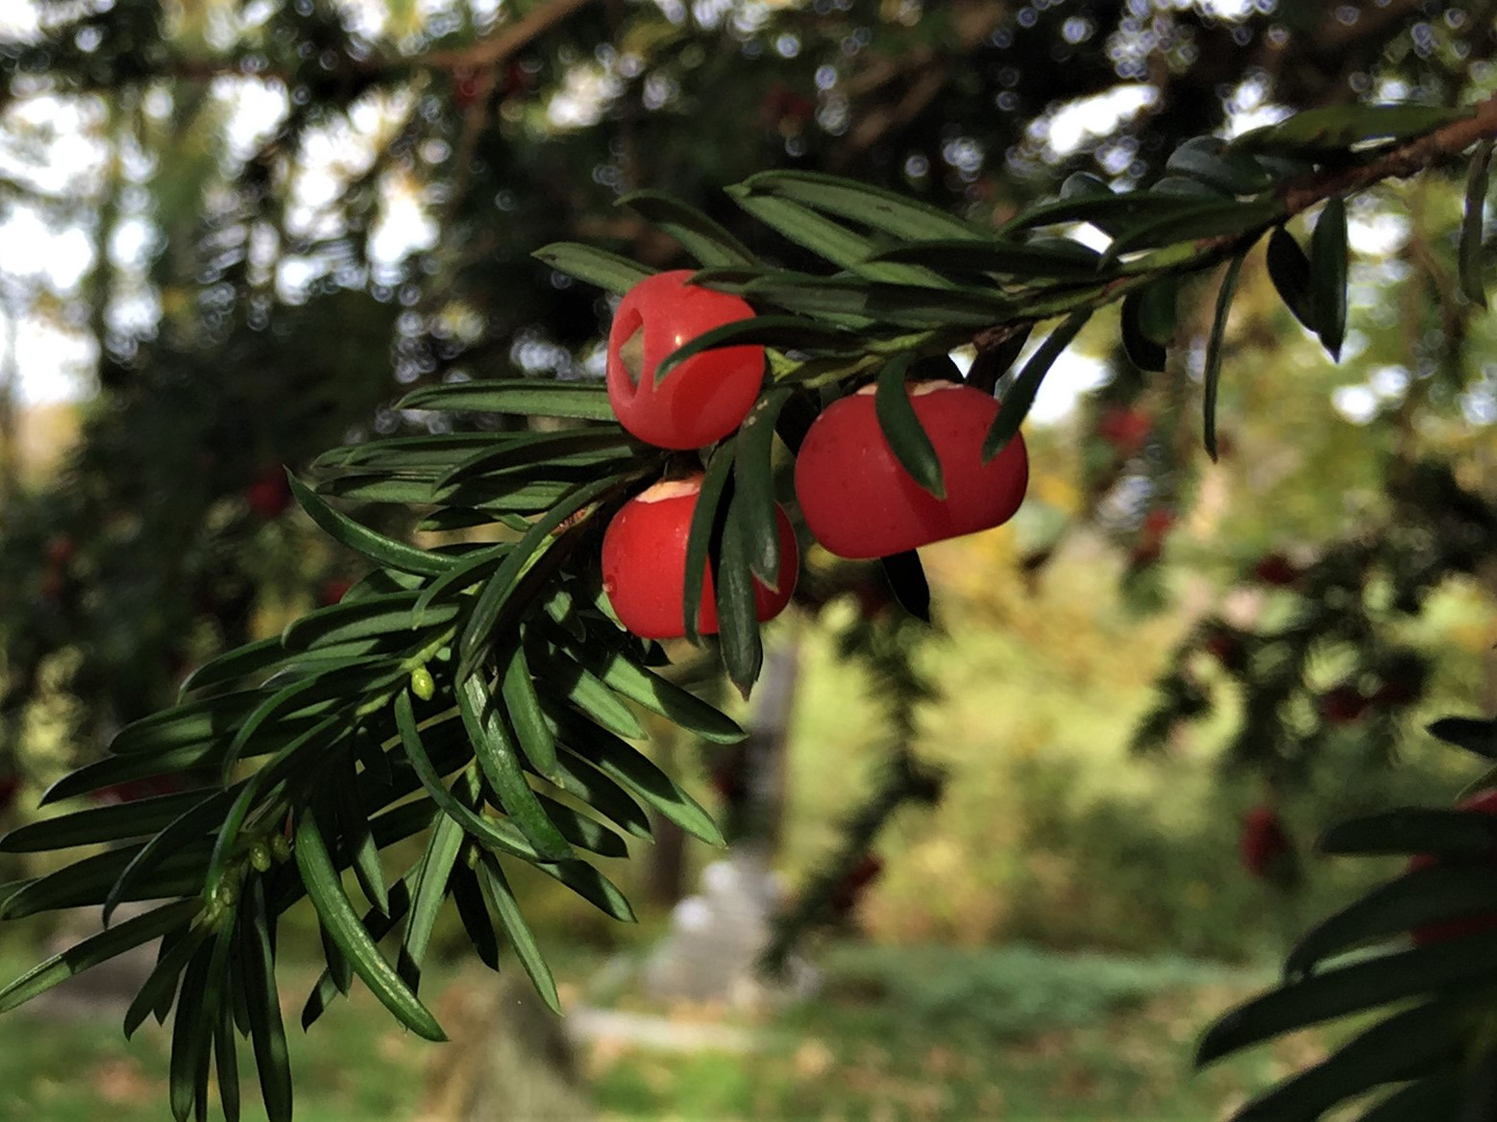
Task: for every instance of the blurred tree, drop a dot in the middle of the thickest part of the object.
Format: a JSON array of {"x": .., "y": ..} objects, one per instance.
[
  {"x": 260, "y": 185},
  {"x": 243, "y": 173}
]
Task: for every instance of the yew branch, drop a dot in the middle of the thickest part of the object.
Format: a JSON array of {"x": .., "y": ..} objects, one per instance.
[{"x": 1443, "y": 146}]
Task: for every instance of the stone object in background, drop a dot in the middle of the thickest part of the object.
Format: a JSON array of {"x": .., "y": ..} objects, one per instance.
[{"x": 717, "y": 936}]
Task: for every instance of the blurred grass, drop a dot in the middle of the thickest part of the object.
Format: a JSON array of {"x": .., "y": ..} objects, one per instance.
[
  {"x": 1011, "y": 1034},
  {"x": 356, "y": 1065},
  {"x": 1008, "y": 1034}
]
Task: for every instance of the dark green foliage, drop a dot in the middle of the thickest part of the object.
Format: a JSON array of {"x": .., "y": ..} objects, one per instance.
[
  {"x": 1021, "y": 394},
  {"x": 699, "y": 235},
  {"x": 1290, "y": 270},
  {"x": 1436, "y": 528},
  {"x": 737, "y": 611},
  {"x": 1148, "y": 324},
  {"x": 1450, "y": 971},
  {"x": 902, "y": 429},
  {"x": 504, "y": 633},
  {"x": 1474, "y": 735},
  {"x": 1331, "y": 133},
  {"x": 907, "y": 583},
  {"x": 455, "y": 691},
  {"x": 1212, "y": 377},
  {"x": 754, "y": 485},
  {"x": 1328, "y": 265}
]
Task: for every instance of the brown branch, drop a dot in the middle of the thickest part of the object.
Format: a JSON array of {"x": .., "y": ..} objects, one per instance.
[
  {"x": 1373, "y": 22},
  {"x": 505, "y": 41},
  {"x": 1442, "y": 146},
  {"x": 475, "y": 120},
  {"x": 925, "y": 69},
  {"x": 921, "y": 92}
]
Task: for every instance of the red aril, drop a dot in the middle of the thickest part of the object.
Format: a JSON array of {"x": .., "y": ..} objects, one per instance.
[
  {"x": 859, "y": 501},
  {"x": 644, "y": 564},
  {"x": 704, "y": 398}
]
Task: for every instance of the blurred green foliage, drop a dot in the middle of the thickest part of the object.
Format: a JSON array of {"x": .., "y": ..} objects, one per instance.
[{"x": 1049, "y": 831}]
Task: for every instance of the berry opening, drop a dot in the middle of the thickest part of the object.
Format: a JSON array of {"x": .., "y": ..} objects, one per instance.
[
  {"x": 632, "y": 352},
  {"x": 704, "y": 399}
]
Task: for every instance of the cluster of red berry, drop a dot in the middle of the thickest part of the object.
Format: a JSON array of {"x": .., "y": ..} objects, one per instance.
[{"x": 858, "y": 501}]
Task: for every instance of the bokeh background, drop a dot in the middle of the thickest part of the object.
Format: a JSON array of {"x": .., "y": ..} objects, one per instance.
[{"x": 234, "y": 232}]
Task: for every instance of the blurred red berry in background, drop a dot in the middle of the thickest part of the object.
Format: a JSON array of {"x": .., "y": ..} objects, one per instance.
[
  {"x": 268, "y": 494},
  {"x": 1125, "y": 429},
  {"x": 1276, "y": 569},
  {"x": 1343, "y": 704},
  {"x": 1264, "y": 844}
]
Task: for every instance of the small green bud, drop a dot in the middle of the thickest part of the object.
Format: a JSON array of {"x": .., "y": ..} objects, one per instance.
[
  {"x": 422, "y": 684},
  {"x": 280, "y": 848},
  {"x": 260, "y": 857},
  {"x": 226, "y": 893}
]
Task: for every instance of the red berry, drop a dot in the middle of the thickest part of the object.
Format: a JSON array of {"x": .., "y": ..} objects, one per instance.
[
  {"x": 850, "y": 889},
  {"x": 644, "y": 564},
  {"x": 268, "y": 494},
  {"x": 704, "y": 398},
  {"x": 729, "y": 784},
  {"x": 1125, "y": 429},
  {"x": 1157, "y": 524},
  {"x": 859, "y": 501},
  {"x": 1343, "y": 704},
  {"x": 782, "y": 109},
  {"x": 1150, "y": 541},
  {"x": 1484, "y": 802},
  {"x": 516, "y": 80},
  {"x": 1226, "y": 648},
  {"x": 1145, "y": 553},
  {"x": 1264, "y": 841},
  {"x": 1276, "y": 569},
  {"x": 872, "y": 597},
  {"x": 333, "y": 590}
]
